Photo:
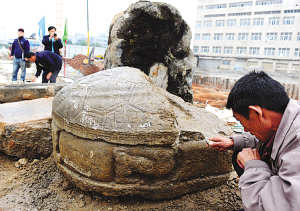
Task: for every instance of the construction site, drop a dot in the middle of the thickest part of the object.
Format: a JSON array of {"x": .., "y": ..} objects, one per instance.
[{"x": 127, "y": 131}]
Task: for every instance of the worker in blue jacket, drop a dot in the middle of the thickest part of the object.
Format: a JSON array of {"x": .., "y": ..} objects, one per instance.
[
  {"x": 19, "y": 48},
  {"x": 47, "y": 61},
  {"x": 52, "y": 42}
]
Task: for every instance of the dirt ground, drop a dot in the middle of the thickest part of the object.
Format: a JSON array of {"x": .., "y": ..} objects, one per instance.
[
  {"x": 212, "y": 96},
  {"x": 40, "y": 186},
  {"x": 85, "y": 69}
]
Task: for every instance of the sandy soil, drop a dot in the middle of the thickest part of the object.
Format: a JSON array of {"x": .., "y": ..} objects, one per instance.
[
  {"x": 40, "y": 186},
  {"x": 212, "y": 96},
  {"x": 85, "y": 69}
]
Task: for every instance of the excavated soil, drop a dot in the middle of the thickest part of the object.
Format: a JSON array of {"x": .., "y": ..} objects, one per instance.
[
  {"x": 85, "y": 69},
  {"x": 212, "y": 96},
  {"x": 40, "y": 186}
]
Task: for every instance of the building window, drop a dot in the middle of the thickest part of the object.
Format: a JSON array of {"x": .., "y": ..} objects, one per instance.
[
  {"x": 271, "y": 36},
  {"x": 231, "y": 22},
  {"x": 242, "y": 4},
  {"x": 207, "y": 23},
  {"x": 196, "y": 49},
  {"x": 252, "y": 63},
  {"x": 297, "y": 52},
  {"x": 229, "y": 36},
  {"x": 256, "y": 36},
  {"x": 216, "y": 6},
  {"x": 204, "y": 49},
  {"x": 220, "y": 23},
  {"x": 267, "y": 64},
  {"x": 282, "y": 65},
  {"x": 291, "y": 11},
  {"x": 269, "y": 51},
  {"x": 228, "y": 50},
  {"x": 218, "y": 36},
  {"x": 288, "y": 20},
  {"x": 286, "y": 36},
  {"x": 268, "y": 2},
  {"x": 298, "y": 36},
  {"x": 283, "y": 52},
  {"x": 258, "y": 21},
  {"x": 206, "y": 37},
  {"x": 241, "y": 50},
  {"x": 254, "y": 51},
  {"x": 197, "y": 37},
  {"x": 226, "y": 62},
  {"x": 243, "y": 36},
  {"x": 198, "y": 24},
  {"x": 245, "y": 22},
  {"x": 200, "y": 8},
  {"x": 214, "y": 15},
  {"x": 274, "y": 21},
  {"x": 267, "y": 12},
  {"x": 239, "y": 14},
  {"x": 217, "y": 49}
]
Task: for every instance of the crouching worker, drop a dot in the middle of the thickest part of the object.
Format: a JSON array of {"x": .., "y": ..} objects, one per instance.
[
  {"x": 47, "y": 61},
  {"x": 268, "y": 153}
]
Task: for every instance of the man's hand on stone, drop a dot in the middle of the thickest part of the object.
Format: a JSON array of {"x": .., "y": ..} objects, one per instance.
[
  {"x": 247, "y": 154},
  {"x": 221, "y": 144},
  {"x": 33, "y": 79}
]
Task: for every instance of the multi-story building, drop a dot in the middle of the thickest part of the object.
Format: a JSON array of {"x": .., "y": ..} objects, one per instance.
[{"x": 238, "y": 34}]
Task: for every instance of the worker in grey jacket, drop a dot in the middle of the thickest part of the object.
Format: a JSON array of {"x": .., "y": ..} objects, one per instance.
[{"x": 269, "y": 150}]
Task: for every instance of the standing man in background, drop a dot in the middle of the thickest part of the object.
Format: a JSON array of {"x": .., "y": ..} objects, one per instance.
[
  {"x": 19, "y": 48},
  {"x": 52, "y": 42}
]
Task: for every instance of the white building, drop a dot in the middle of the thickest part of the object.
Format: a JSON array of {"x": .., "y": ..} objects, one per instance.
[
  {"x": 238, "y": 34},
  {"x": 2, "y": 34}
]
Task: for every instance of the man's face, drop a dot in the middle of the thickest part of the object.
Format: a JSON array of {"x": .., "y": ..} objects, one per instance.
[
  {"x": 254, "y": 125},
  {"x": 52, "y": 31},
  {"x": 32, "y": 59},
  {"x": 20, "y": 34}
]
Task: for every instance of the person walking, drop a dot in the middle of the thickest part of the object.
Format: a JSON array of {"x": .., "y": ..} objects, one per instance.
[
  {"x": 19, "y": 49},
  {"x": 52, "y": 42},
  {"x": 47, "y": 61}
]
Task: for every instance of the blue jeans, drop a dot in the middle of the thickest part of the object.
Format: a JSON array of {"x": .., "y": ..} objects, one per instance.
[{"x": 19, "y": 63}]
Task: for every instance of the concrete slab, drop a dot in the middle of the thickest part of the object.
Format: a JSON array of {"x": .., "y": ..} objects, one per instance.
[
  {"x": 25, "y": 128},
  {"x": 19, "y": 92}
]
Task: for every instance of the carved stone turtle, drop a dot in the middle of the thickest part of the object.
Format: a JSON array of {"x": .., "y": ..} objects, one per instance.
[{"x": 116, "y": 132}]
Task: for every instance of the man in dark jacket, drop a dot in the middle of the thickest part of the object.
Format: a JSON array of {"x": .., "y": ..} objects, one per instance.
[
  {"x": 47, "y": 61},
  {"x": 19, "y": 48},
  {"x": 51, "y": 41}
]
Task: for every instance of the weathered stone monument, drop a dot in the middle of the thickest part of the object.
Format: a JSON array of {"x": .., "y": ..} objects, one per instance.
[
  {"x": 154, "y": 38},
  {"x": 116, "y": 132}
]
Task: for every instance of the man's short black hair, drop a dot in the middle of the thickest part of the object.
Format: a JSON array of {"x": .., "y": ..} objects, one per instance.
[
  {"x": 51, "y": 27},
  {"x": 29, "y": 55},
  {"x": 257, "y": 88}
]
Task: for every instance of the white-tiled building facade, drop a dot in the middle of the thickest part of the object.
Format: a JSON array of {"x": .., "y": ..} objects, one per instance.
[{"x": 238, "y": 34}]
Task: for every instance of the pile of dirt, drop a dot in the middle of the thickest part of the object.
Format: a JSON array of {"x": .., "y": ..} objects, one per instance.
[
  {"x": 212, "y": 96},
  {"x": 40, "y": 186},
  {"x": 85, "y": 69}
]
